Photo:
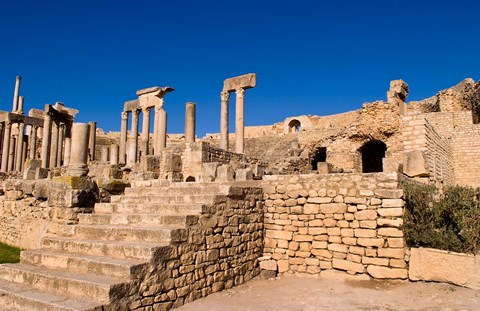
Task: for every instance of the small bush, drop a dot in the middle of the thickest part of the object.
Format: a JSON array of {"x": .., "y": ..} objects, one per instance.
[
  {"x": 9, "y": 254},
  {"x": 448, "y": 221}
]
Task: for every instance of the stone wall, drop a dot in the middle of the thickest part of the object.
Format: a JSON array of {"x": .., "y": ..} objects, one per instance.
[
  {"x": 346, "y": 222},
  {"x": 220, "y": 250}
]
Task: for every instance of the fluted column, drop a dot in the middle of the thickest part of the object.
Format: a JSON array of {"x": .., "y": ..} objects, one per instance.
[
  {"x": 54, "y": 145},
  {"x": 15, "y": 94},
  {"x": 133, "y": 149},
  {"x": 19, "y": 147},
  {"x": 146, "y": 129},
  {"x": 92, "y": 139},
  {"x": 33, "y": 142},
  {"x": 47, "y": 132},
  {"x": 123, "y": 138},
  {"x": 6, "y": 145},
  {"x": 239, "y": 120},
  {"x": 190, "y": 123},
  {"x": 224, "y": 95}
]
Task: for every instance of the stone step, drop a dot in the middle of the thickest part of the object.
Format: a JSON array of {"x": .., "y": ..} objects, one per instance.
[
  {"x": 164, "y": 199},
  {"x": 138, "y": 250},
  {"x": 130, "y": 234},
  {"x": 82, "y": 263},
  {"x": 136, "y": 219},
  {"x": 93, "y": 287},
  {"x": 186, "y": 189},
  {"x": 18, "y": 297},
  {"x": 148, "y": 208}
]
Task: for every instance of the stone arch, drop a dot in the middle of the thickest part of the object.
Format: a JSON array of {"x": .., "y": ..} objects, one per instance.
[
  {"x": 373, "y": 152},
  {"x": 319, "y": 155},
  {"x": 294, "y": 126},
  {"x": 190, "y": 179}
]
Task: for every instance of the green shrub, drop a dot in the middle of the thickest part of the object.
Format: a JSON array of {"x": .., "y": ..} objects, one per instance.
[
  {"x": 9, "y": 254},
  {"x": 448, "y": 220}
]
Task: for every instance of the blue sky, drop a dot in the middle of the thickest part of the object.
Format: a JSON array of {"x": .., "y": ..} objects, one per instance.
[{"x": 310, "y": 57}]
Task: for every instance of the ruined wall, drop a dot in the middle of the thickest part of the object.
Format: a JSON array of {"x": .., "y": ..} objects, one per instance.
[
  {"x": 347, "y": 222},
  {"x": 221, "y": 250},
  {"x": 420, "y": 135}
]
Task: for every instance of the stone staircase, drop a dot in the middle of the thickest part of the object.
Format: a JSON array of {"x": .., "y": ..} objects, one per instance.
[{"x": 95, "y": 262}]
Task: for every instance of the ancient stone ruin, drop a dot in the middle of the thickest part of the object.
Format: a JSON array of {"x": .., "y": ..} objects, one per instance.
[{"x": 151, "y": 220}]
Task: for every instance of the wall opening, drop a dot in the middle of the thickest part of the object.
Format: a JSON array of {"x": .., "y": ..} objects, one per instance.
[
  {"x": 320, "y": 155},
  {"x": 373, "y": 153},
  {"x": 190, "y": 179},
  {"x": 294, "y": 126}
]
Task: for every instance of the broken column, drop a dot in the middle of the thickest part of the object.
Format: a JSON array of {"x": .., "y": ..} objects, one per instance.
[
  {"x": 92, "y": 139},
  {"x": 79, "y": 150},
  {"x": 398, "y": 94},
  {"x": 123, "y": 138},
  {"x": 190, "y": 123},
  {"x": 239, "y": 85},
  {"x": 16, "y": 93}
]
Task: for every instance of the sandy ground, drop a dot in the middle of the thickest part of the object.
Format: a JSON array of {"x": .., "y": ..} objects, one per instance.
[{"x": 338, "y": 292}]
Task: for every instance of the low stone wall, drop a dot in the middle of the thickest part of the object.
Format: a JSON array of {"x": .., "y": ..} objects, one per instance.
[
  {"x": 347, "y": 222},
  {"x": 427, "y": 264},
  {"x": 220, "y": 251}
]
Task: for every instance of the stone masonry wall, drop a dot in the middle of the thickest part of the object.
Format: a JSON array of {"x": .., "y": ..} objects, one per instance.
[
  {"x": 347, "y": 222},
  {"x": 419, "y": 134},
  {"x": 219, "y": 251}
]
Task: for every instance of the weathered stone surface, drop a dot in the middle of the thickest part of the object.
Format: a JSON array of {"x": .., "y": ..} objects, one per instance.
[
  {"x": 380, "y": 272},
  {"x": 347, "y": 265},
  {"x": 415, "y": 164},
  {"x": 246, "y": 81}
]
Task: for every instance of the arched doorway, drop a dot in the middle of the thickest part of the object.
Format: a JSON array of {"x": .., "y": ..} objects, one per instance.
[
  {"x": 373, "y": 153},
  {"x": 294, "y": 126},
  {"x": 320, "y": 155}
]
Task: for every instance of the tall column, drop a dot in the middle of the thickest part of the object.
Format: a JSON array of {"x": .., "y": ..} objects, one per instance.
[
  {"x": 190, "y": 123},
  {"x": 113, "y": 154},
  {"x": 92, "y": 140},
  {"x": 224, "y": 95},
  {"x": 20, "y": 104},
  {"x": 134, "y": 139},
  {"x": 47, "y": 134},
  {"x": 6, "y": 145},
  {"x": 146, "y": 129},
  {"x": 19, "y": 147},
  {"x": 123, "y": 138},
  {"x": 24, "y": 153},
  {"x": 54, "y": 145},
  {"x": 239, "y": 121},
  {"x": 68, "y": 144},
  {"x": 79, "y": 150},
  {"x": 11, "y": 152},
  {"x": 15, "y": 94},
  {"x": 61, "y": 135},
  {"x": 33, "y": 142},
  {"x": 161, "y": 131}
]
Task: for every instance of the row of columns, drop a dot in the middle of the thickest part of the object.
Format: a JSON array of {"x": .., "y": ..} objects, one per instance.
[
  {"x": 239, "y": 120},
  {"x": 56, "y": 144}
]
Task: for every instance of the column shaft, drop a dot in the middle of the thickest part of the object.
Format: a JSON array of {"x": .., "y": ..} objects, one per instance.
[
  {"x": 47, "y": 132},
  {"x": 19, "y": 147},
  {"x": 79, "y": 150},
  {"x": 15, "y": 94},
  {"x": 190, "y": 123},
  {"x": 113, "y": 154},
  {"x": 92, "y": 140},
  {"x": 33, "y": 142},
  {"x": 11, "y": 152},
  {"x": 54, "y": 145},
  {"x": 146, "y": 130},
  {"x": 162, "y": 131},
  {"x": 61, "y": 135},
  {"x": 123, "y": 138},
  {"x": 104, "y": 154},
  {"x": 239, "y": 121},
  {"x": 224, "y": 120},
  {"x": 6, "y": 145},
  {"x": 134, "y": 139}
]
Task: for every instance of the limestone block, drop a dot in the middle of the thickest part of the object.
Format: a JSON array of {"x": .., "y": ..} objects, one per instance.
[
  {"x": 319, "y": 200},
  {"x": 323, "y": 167},
  {"x": 333, "y": 208},
  {"x": 442, "y": 266},
  {"x": 225, "y": 173},
  {"x": 366, "y": 215},
  {"x": 376, "y": 242},
  {"x": 210, "y": 169},
  {"x": 415, "y": 164},
  {"x": 246, "y": 81},
  {"x": 244, "y": 174},
  {"x": 380, "y": 272},
  {"x": 347, "y": 265}
]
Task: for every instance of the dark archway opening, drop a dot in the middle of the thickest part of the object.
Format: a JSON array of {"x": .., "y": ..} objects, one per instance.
[
  {"x": 294, "y": 126},
  {"x": 373, "y": 153},
  {"x": 320, "y": 155},
  {"x": 190, "y": 179}
]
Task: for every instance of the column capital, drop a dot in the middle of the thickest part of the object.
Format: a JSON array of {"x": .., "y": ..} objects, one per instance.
[
  {"x": 124, "y": 115},
  {"x": 224, "y": 95},
  {"x": 135, "y": 113},
  {"x": 240, "y": 92}
]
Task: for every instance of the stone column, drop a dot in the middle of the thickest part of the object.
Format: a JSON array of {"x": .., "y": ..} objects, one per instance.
[
  {"x": 92, "y": 140},
  {"x": 133, "y": 150},
  {"x": 47, "y": 132},
  {"x": 61, "y": 135},
  {"x": 104, "y": 154},
  {"x": 190, "y": 123},
  {"x": 239, "y": 121},
  {"x": 161, "y": 131},
  {"x": 20, "y": 104},
  {"x": 224, "y": 95},
  {"x": 24, "y": 153},
  {"x": 1, "y": 139},
  {"x": 123, "y": 138},
  {"x": 68, "y": 144},
  {"x": 79, "y": 150},
  {"x": 19, "y": 148},
  {"x": 54, "y": 145},
  {"x": 33, "y": 142},
  {"x": 11, "y": 151},
  {"x": 6, "y": 145},
  {"x": 146, "y": 129},
  {"x": 15, "y": 94},
  {"x": 113, "y": 154}
]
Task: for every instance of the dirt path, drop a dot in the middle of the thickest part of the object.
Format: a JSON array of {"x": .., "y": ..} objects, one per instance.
[{"x": 338, "y": 292}]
